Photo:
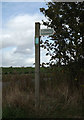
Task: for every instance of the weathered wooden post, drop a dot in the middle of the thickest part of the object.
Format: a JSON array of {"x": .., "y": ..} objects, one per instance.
[
  {"x": 38, "y": 33},
  {"x": 37, "y": 63}
]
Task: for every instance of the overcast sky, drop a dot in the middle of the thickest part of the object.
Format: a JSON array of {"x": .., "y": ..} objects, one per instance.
[{"x": 18, "y": 21}]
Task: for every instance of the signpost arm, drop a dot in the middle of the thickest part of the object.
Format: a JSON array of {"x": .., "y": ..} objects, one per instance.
[{"x": 37, "y": 63}]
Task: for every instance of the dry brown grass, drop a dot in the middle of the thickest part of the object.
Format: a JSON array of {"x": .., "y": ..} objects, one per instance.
[{"x": 21, "y": 94}]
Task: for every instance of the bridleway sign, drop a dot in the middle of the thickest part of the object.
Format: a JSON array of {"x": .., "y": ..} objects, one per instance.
[{"x": 44, "y": 32}]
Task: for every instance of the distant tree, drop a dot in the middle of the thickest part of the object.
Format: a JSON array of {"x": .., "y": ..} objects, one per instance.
[{"x": 67, "y": 43}]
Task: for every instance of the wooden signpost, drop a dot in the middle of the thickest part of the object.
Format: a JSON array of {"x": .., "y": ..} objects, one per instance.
[
  {"x": 37, "y": 63},
  {"x": 38, "y": 33}
]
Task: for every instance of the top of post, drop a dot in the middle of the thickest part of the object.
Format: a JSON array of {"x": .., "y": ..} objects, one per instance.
[
  {"x": 37, "y": 22},
  {"x": 37, "y": 29}
]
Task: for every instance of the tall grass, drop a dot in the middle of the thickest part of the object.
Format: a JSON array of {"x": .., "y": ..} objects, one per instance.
[{"x": 55, "y": 101}]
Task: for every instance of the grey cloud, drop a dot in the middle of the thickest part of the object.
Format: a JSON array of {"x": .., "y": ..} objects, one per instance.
[{"x": 19, "y": 35}]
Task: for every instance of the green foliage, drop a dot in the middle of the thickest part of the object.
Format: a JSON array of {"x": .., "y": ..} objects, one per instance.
[
  {"x": 17, "y": 70},
  {"x": 67, "y": 43},
  {"x": 11, "y": 112}
]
